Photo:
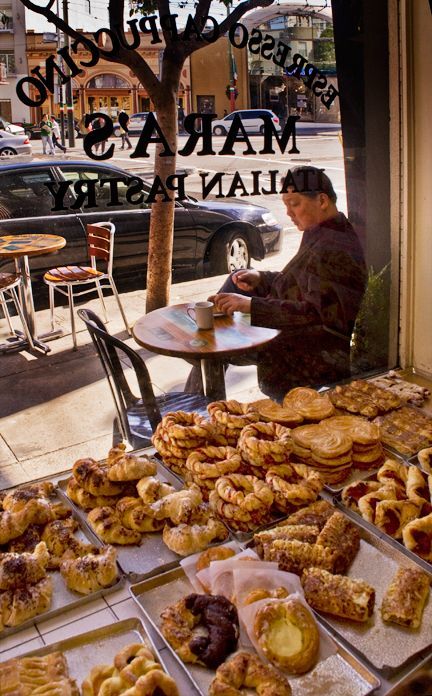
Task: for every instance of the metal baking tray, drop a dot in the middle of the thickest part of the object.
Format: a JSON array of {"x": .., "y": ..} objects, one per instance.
[
  {"x": 362, "y": 474},
  {"x": 395, "y": 543},
  {"x": 64, "y": 599},
  {"x": 152, "y": 555},
  {"x": 99, "y": 646},
  {"x": 387, "y": 647},
  {"x": 156, "y": 593}
]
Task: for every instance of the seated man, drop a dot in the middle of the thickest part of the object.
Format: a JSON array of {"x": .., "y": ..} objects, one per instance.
[{"x": 314, "y": 300}]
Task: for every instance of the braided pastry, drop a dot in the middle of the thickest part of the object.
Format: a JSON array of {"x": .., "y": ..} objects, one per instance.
[
  {"x": 150, "y": 489},
  {"x": 92, "y": 572},
  {"x": 183, "y": 425},
  {"x": 247, "y": 492},
  {"x": 133, "y": 515},
  {"x": 265, "y": 444},
  {"x": 245, "y": 670},
  {"x": 105, "y": 521},
  {"x": 155, "y": 682},
  {"x": 91, "y": 476},
  {"x": 290, "y": 489},
  {"x": 128, "y": 467},
  {"x": 212, "y": 462},
  {"x": 186, "y": 539},
  {"x": 232, "y": 413}
]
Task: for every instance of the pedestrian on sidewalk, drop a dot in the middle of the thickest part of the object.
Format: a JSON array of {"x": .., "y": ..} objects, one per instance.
[
  {"x": 95, "y": 125},
  {"x": 46, "y": 127},
  {"x": 123, "y": 120},
  {"x": 56, "y": 137}
]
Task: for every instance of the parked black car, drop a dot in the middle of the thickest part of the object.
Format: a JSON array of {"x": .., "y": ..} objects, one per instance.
[{"x": 211, "y": 237}]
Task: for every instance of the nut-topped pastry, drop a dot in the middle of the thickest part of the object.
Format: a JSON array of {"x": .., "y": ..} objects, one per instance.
[
  {"x": 405, "y": 597},
  {"x": 338, "y": 595}
]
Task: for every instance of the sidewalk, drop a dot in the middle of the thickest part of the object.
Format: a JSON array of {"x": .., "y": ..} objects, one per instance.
[{"x": 57, "y": 408}]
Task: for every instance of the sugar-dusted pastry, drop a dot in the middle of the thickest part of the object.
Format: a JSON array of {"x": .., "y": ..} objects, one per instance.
[
  {"x": 150, "y": 489},
  {"x": 294, "y": 556},
  {"x": 59, "y": 538},
  {"x": 91, "y": 572},
  {"x": 417, "y": 537},
  {"x": 16, "y": 500},
  {"x": 288, "y": 635},
  {"x": 338, "y": 595},
  {"x": 352, "y": 493},
  {"x": 405, "y": 597},
  {"x": 342, "y": 536},
  {"x": 309, "y": 403},
  {"x": 391, "y": 516},
  {"x": 177, "y": 506},
  {"x": 106, "y": 522},
  {"x": 244, "y": 670}
]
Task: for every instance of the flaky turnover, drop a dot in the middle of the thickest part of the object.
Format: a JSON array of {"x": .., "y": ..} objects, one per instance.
[
  {"x": 417, "y": 537},
  {"x": 405, "y": 597},
  {"x": 338, "y": 595}
]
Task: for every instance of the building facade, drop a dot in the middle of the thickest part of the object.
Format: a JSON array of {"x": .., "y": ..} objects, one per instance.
[{"x": 13, "y": 62}]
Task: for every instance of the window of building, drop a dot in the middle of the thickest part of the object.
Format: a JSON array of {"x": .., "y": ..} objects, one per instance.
[
  {"x": 277, "y": 23},
  {"x": 107, "y": 81},
  {"x": 6, "y": 23},
  {"x": 8, "y": 59}
]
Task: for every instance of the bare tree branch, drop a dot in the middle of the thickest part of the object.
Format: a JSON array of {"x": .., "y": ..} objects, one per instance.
[{"x": 201, "y": 13}]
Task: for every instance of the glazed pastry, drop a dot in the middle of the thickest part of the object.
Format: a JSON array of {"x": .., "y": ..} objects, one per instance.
[
  {"x": 22, "y": 569},
  {"x": 236, "y": 517},
  {"x": 245, "y": 670},
  {"x": 271, "y": 412},
  {"x": 133, "y": 515},
  {"x": 91, "y": 572},
  {"x": 290, "y": 489},
  {"x": 360, "y": 430},
  {"x": 316, "y": 514},
  {"x": 231, "y": 417},
  {"x": 92, "y": 476},
  {"x": 341, "y": 536},
  {"x": 368, "y": 503},
  {"x": 216, "y": 614},
  {"x": 105, "y": 521},
  {"x": 405, "y": 597},
  {"x": 393, "y": 515},
  {"x": 294, "y": 556},
  {"x": 212, "y": 462},
  {"x": 288, "y": 635},
  {"x": 186, "y": 539},
  {"x": 300, "y": 532},
  {"x": 214, "y": 553},
  {"x": 417, "y": 537},
  {"x": 383, "y": 398},
  {"x": 338, "y": 595},
  {"x": 124, "y": 466},
  {"x": 309, "y": 403},
  {"x": 24, "y": 603}
]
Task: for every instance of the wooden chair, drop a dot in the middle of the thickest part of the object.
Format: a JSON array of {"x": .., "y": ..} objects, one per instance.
[
  {"x": 137, "y": 416},
  {"x": 100, "y": 245},
  {"x": 9, "y": 282}
]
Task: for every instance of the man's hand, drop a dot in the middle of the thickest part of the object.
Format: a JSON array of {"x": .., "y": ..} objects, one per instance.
[
  {"x": 246, "y": 280},
  {"x": 229, "y": 302}
]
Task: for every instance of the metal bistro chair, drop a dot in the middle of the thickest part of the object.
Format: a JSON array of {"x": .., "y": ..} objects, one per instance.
[
  {"x": 8, "y": 285},
  {"x": 100, "y": 245},
  {"x": 137, "y": 417}
]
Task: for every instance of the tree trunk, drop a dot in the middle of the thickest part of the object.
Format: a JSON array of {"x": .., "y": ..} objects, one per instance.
[{"x": 162, "y": 214}]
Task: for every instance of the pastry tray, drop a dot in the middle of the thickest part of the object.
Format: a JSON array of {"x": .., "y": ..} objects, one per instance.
[
  {"x": 97, "y": 647},
  {"x": 156, "y": 593},
  {"x": 395, "y": 543},
  {"x": 62, "y": 598},
  {"x": 152, "y": 555},
  {"x": 387, "y": 647}
]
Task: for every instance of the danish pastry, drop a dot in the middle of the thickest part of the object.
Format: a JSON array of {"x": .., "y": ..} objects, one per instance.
[
  {"x": 128, "y": 467},
  {"x": 261, "y": 593},
  {"x": 92, "y": 572},
  {"x": 91, "y": 476},
  {"x": 214, "y": 553},
  {"x": 309, "y": 403},
  {"x": 245, "y": 670},
  {"x": 185, "y": 539},
  {"x": 338, "y": 595},
  {"x": 105, "y": 521},
  {"x": 288, "y": 635},
  {"x": 154, "y": 683},
  {"x": 48, "y": 675},
  {"x": 216, "y": 614},
  {"x": 417, "y": 537},
  {"x": 405, "y": 597}
]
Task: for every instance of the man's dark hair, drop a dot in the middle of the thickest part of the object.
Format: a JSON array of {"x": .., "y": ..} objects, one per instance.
[{"x": 309, "y": 181}]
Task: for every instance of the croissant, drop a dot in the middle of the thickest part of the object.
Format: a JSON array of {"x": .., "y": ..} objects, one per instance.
[
  {"x": 151, "y": 489},
  {"x": 178, "y": 506},
  {"x": 246, "y": 670},
  {"x": 186, "y": 539},
  {"x": 17, "y": 606},
  {"x": 92, "y": 572},
  {"x": 91, "y": 476},
  {"x": 417, "y": 537},
  {"x": 134, "y": 516},
  {"x": 16, "y": 500},
  {"x": 105, "y": 521},
  {"x": 27, "y": 541},
  {"x": 59, "y": 538},
  {"x": 20, "y": 569},
  {"x": 128, "y": 467},
  {"x": 83, "y": 499},
  {"x": 13, "y": 524}
]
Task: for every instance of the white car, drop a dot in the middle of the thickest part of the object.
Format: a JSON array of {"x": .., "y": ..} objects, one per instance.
[
  {"x": 14, "y": 145},
  {"x": 11, "y": 128},
  {"x": 135, "y": 125},
  {"x": 252, "y": 120}
]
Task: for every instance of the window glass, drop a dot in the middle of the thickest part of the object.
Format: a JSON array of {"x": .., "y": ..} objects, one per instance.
[
  {"x": 103, "y": 195},
  {"x": 25, "y": 194}
]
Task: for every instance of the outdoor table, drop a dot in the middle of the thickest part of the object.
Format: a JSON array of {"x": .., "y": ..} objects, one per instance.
[
  {"x": 170, "y": 331},
  {"x": 19, "y": 247}
]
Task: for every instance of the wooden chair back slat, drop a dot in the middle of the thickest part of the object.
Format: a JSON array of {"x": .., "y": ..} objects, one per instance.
[{"x": 99, "y": 242}]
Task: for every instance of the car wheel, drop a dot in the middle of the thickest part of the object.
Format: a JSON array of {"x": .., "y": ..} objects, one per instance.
[
  {"x": 28, "y": 134},
  {"x": 229, "y": 252},
  {"x": 219, "y": 130},
  {"x": 262, "y": 129},
  {"x": 117, "y": 132},
  {"x": 7, "y": 152}
]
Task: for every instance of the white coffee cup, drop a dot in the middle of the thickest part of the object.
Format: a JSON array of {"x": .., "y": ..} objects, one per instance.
[{"x": 202, "y": 314}]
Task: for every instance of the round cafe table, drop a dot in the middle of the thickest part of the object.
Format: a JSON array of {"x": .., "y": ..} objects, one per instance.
[
  {"x": 19, "y": 247},
  {"x": 170, "y": 331}
]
